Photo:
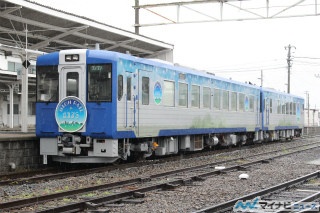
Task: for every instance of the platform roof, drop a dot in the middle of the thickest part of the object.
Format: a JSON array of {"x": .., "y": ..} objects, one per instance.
[{"x": 48, "y": 29}]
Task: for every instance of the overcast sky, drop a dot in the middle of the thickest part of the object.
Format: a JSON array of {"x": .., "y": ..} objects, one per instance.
[{"x": 235, "y": 49}]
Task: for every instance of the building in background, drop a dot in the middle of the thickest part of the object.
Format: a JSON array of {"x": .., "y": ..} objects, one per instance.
[{"x": 311, "y": 117}]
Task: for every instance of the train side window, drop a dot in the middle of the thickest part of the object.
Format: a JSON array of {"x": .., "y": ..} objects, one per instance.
[
  {"x": 47, "y": 83},
  {"x": 279, "y": 107},
  {"x": 251, "y": 103},
  {"x": 99, "y": 82},
  {"x": 234, "y": 101},
  {"x": 287, "y": 108},
  {"x": 216, "y": 99},
  {"x": 183, "y": 94},
  {"x": 225, "y": 100},
  {"x": 241, "y": 102},
  {"x": 195, "y": 100},
  {"x": 283, "y": 108},
  {"x": 294, "y": 108},
  {"x": 168, "y": 93},
  {"x": 206, "y": 98},
  {"x": 129, "y": 88},
  {"x": 120, "y": 87},
  {"x": 73, "y": 84},
  {"x": 270, "y": 105},
  {"x": 145, "y": 90}
]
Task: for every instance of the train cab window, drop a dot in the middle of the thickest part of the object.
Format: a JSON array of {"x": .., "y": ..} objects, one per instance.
[
  {"x": 183, "y": 95},
  {"x": 47, "y": 84},
  {"x": 99, "y": 82},
  {"x": 145, "y": 90},
  {"x": 195, "y": 100},
  {"x": 217, "y": 98},
  {"x": 73, "y": 84},
  {"x": 129, "y": 88},
  {"x": 206, "y": 98},
  {"x": 120, "y": 87}
]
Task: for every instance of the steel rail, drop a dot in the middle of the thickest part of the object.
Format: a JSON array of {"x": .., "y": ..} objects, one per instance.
[
  {"x": 114, "y": 197},
  {"x": 231, "y": 203},
  {"x": 14, "y": 179}
]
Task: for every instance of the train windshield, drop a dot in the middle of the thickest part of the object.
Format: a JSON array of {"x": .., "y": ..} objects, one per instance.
[
  {"x": 47, "y": 84},
  {"x": 99, "y": 82}
]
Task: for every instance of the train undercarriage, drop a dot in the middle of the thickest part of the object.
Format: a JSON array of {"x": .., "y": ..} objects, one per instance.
[{"x": 72, "y": 148}]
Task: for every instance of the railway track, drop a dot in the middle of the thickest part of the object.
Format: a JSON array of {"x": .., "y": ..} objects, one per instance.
[
  {"x": 52, "y": 173},
  {"x": 136, "y": 187},
  {"x": 297, "y": 195}
]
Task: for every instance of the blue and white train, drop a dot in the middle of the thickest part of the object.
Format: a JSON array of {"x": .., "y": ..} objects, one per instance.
[{"x": 97, "y": 106}]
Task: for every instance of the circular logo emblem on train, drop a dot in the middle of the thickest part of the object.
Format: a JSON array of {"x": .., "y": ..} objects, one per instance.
[
  {"x": 71, "y": 114},
  {"x": 157, "y": 93}
]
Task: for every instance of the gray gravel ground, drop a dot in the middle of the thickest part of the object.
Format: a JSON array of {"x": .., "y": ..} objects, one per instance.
[
  {"x": 213, "y": 190},
  {"x": 228, "y": 186}
]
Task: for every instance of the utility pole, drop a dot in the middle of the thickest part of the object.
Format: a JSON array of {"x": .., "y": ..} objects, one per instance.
[
  {"x": 261, "y": 78},
  {"x": 308, "y": 106},
  {"x": 136, "y": 10},
  {"x": 289, "y": 61}
]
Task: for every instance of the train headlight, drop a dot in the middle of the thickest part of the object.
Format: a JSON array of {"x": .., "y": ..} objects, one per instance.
[{"x": 72, "y": 57}]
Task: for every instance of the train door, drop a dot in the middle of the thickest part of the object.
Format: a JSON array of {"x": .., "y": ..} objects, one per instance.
[
  {"x": 143, "y": 101},
  {"x": 130, "y": 100},
  {"x": 267, "y": 111},
  {"x": 72, "y": 82}
]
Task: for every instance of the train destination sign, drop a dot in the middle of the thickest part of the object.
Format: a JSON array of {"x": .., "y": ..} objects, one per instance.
[{"x": 71, "y": 114}]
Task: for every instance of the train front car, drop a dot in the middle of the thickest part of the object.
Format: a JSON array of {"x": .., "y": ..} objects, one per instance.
[
  {"x": 282, "y": 115},
  {"x": 75, "y": 108}
]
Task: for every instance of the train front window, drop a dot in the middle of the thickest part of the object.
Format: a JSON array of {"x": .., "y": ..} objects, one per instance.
[
  {"x": 99, "y": 82},
  {"x": 73, "y": 84},
  {"x": 47, "y": 84}
]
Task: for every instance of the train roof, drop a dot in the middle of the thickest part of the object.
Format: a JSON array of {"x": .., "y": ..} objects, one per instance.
[
  {"x": 52, "y": 58},
  {"x": 165, "y": 64}
]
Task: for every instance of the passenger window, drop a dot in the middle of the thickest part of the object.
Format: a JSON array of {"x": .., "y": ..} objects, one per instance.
[
  {"x": 145, "y": 90},
  {"x": 279, "y": 107},
  {"x": 251, "y": 103},
  {"x": 234, "y": 101},
  {"x": 120, "y": 87},
  {"x": 168, "y": 93},
  {"x": 216, "y": 96},
  {"x": 195, "y": 101},
  {"x": 241, "y": 102},
  {"x": 225, "y": 100},
  {"x": 183, "y": 94},
  {"x": 73, "y": 84},
  {"x": 129, "y": 88},
  {"x": 206, "y": 97}
]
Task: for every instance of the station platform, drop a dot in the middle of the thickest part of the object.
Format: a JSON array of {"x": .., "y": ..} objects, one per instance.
[{"x": 20, "y": 149}]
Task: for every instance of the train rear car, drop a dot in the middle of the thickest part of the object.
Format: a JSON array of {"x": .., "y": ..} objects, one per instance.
[{"x": 282, "y": 114}]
